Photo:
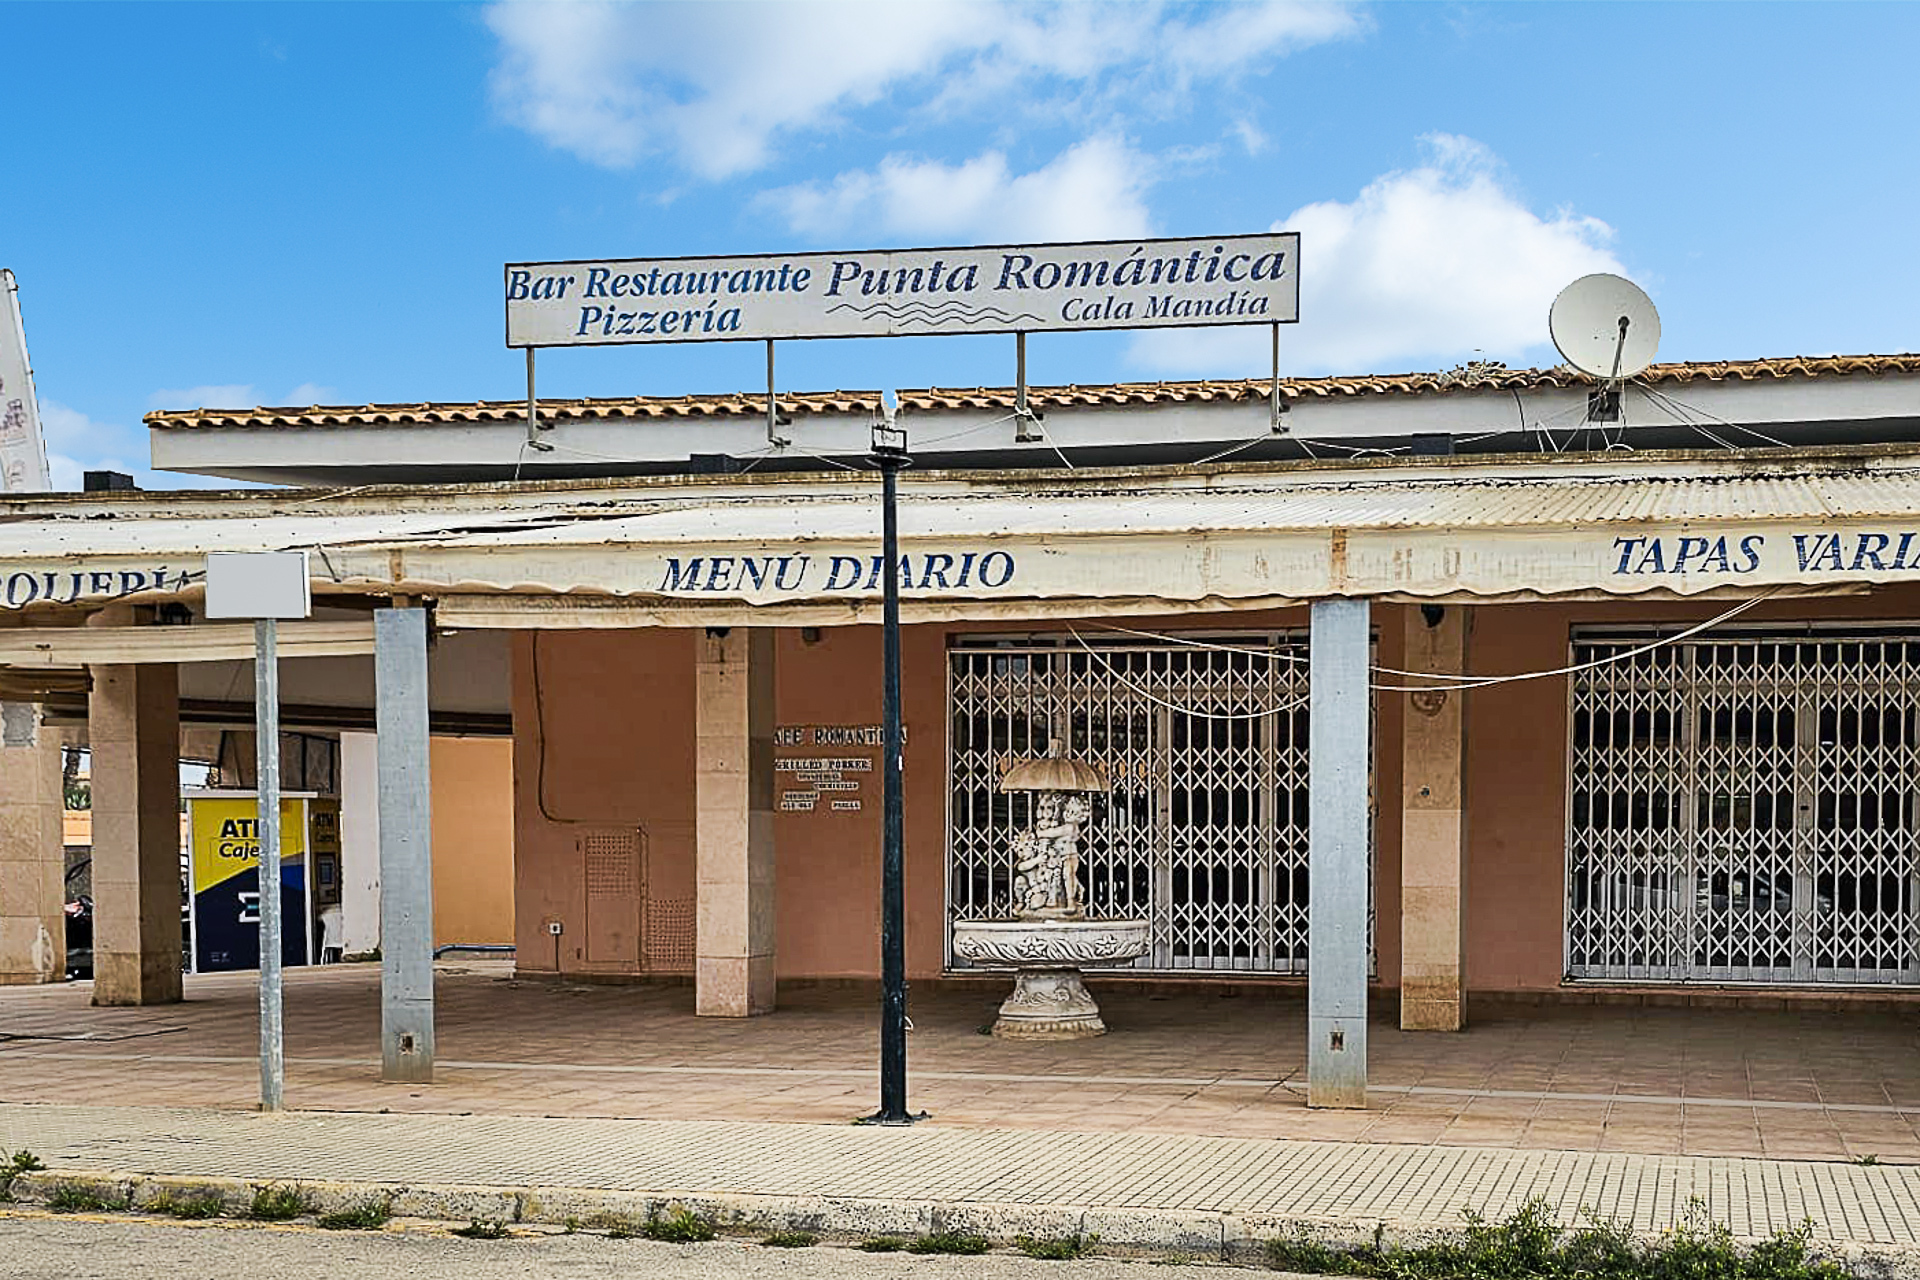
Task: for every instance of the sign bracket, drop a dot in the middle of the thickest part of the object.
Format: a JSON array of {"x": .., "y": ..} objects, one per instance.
[
  {"x": 534, "y": 425},
  {"x": 1026, "y": 423},
  {"x": 774, "y": 420},
  {"x": 1277, "y": 401}
]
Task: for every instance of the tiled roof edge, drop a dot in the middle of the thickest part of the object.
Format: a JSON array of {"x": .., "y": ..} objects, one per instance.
[{"x": 1477, "y": 377}]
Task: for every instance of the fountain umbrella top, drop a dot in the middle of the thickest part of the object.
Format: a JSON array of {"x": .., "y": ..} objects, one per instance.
[{"x": 1054, "y": 772}]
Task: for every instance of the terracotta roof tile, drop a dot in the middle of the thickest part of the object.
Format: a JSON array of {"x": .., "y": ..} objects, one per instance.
[{"x": 1478, "y": 377}]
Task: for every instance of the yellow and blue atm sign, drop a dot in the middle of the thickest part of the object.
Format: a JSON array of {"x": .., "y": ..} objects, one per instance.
[{"x": 226, "y": 881}]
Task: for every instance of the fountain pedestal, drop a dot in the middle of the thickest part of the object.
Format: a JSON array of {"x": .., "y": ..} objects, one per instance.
[{"x": 1049, "y": 1000}]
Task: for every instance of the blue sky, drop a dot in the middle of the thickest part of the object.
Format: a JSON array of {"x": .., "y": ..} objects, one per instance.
[{"x": 287, "y": 203}]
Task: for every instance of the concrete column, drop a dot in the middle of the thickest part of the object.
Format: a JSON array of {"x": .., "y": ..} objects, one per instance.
[
  {"x": 406, "y": 846},
  {"x": 359, "y": 842},
  {"x": 1433, "y": 829},
  {"x": 33, "y": 946},
  {"x": 1338, "y": 775},
  {"x": 733, "y": 805},
  {"x": 133, "y": 728}
]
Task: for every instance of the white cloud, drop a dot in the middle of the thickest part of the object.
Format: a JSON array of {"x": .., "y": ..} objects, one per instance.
[
  {"x": 225, "y": 395},
  {"x": 307, "y": 393},
  {"x": 1095, "y": 189},
  {"x": 720, "y": 86},
  {"x": 76, "y": 443},
  {"x": 1425, "y": 268},
  {"x": 238, "y": 395}
]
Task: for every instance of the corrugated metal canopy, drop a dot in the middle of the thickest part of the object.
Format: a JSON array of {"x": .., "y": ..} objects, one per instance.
[{"x": 1053, "y": 544}]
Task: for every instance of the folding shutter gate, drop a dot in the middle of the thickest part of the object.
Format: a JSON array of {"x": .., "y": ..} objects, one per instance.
[
  {"x": 1743, "y": 809},
  {"x": 1205, "y": 830}
]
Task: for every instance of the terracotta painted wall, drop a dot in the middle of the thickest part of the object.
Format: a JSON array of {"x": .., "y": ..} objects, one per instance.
[
  {"x": 603, "y": 741},
  {"x": 616, "y": 724},
  {"x": 1516, "y": 799},
  {"x": 617, "y": 711},
  {"x": 472, "y": 840}
]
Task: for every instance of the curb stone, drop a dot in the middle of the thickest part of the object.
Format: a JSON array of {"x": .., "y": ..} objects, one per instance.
[{"x": 1176, "y": 1234}]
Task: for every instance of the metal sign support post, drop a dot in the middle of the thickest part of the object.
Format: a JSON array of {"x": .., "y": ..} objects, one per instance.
[
  {"x": 1278, "y": 398},
  {"x": 266, "y": 722},
  {"x": 534, "y": 425},
  {"x": 1026, "y": 423},
  {"x": 774, "y": 438},
  {"x": 265, "y": 586},
  {"x": 890, "y": 454}
]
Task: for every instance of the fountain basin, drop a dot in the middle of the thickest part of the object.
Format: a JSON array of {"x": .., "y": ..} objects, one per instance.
[{"x": 1050, "y": 1000}]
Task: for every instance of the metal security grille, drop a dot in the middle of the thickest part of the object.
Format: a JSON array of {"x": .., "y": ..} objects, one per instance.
[
  {"x": 1205, "y": 830},
  {"x": 1743, "y": 809}
]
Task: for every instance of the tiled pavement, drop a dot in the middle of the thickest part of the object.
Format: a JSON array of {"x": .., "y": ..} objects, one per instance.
[
  {"x": 1194, "y": 1102},
  {"x": 1812, "y": 1086},
  {"x": 1262, "y": 1182}
]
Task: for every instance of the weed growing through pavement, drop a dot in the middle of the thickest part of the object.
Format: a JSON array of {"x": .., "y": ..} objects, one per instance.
[
  {"x": 1868, "y": 1158},
  {"x": 207, "y": 1204},
  {"x": 1055, "y": 1248},
  {"x": 367, "y": 1215},
  {"x": 17, "y": 1163},
  {"x": 74, "y": 1197},
  {"x": 488, "y": 1229},
  {"x": 1529, "y": 1244},
  {"x": 791, "y": 1240},
  {"x": 679, "y": 1227},
  {"x": 275, "y": 1203},
  {"x": 882, "y": 1244},
  {"x": 948, "y": 1242}
]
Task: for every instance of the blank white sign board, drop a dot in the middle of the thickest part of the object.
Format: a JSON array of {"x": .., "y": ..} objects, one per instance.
[{"x": 258, "y": 584}]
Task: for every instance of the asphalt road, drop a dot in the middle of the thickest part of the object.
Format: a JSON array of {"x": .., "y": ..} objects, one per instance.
[{"x": 86, "y": 1248}]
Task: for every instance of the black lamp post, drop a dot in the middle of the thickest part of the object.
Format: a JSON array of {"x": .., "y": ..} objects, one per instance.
[{"x": 890, "y": 455}]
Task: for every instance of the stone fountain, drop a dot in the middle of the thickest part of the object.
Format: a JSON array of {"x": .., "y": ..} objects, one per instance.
[{"x": 1050, "y": 937}]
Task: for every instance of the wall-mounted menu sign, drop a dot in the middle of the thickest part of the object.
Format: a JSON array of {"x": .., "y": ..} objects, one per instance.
[{"x": 824, "y": 783}]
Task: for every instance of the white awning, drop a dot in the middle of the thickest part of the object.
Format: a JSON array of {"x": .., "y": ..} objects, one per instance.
[{"x": 787, "y": 550}]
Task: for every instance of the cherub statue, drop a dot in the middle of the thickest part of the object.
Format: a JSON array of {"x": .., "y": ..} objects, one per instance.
[{"x": 1046, "y": 856}]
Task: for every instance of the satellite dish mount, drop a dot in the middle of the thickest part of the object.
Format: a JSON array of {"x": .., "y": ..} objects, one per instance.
[{"x": 1608, "y": 328}]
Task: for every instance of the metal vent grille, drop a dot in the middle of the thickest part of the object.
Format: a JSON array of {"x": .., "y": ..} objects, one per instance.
[
  {"x": 1205, "y": 830},
  {"x": 1743, "y": 810},
  {"x": 670, "y": 935},
  {"x": 613, "y": 861}
]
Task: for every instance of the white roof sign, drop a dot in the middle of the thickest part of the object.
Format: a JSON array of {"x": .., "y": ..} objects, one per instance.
[
  {"x": 23, "y": 451},
  {"x": 1114, "y": 284}
]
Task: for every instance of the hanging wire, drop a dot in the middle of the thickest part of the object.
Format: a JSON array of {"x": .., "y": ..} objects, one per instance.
[
  {"x": 1048, "y": 437},
  {"x": 1680, "y": 410},
  {"x": 1120, "y": 678},
  {"x": 1446, "y": 680}
]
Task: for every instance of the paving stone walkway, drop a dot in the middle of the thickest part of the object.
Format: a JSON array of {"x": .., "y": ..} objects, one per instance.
[
  {"x": 1790, "y": 1084},
  {"x": 1261, "y": 1181}
]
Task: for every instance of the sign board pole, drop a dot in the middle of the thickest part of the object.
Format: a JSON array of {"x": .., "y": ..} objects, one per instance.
[
  {"x": 266, "y": 713},
  {"x": 265, "y": 586}
]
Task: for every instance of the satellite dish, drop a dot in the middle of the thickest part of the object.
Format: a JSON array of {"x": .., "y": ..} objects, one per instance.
[{"x": 1605, "y": 326}]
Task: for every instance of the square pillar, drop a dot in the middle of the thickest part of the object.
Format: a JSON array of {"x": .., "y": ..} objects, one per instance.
[
  {"x": 733, "y": 839},
  {"x": 1339, "y": 774},
  {"x": 1433, "y": 827},
  {"x": 402, "y": 750},
  {"x": 33, "y": 865},
  {"x": 133, "y": 729},
  {"x": 359, "y": 842}
]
